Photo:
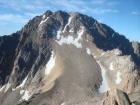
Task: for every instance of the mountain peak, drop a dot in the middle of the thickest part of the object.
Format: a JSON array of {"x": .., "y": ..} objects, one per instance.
[{"x": 69, "y": 55}]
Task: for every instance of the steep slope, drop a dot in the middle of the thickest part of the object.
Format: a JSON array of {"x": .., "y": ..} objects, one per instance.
[{"x": 66, "y": 58}]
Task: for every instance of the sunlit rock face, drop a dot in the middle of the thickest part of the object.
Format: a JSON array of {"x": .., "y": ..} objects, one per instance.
[{"x": 65, "y": 58}]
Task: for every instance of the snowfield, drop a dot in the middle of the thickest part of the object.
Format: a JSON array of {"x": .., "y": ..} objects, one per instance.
[
  {"x": 50, "y": 64},
  {"x": 104, "y": 86},
  {"x": 118, "y": 80},
  {"x": 70, "y": 39}
]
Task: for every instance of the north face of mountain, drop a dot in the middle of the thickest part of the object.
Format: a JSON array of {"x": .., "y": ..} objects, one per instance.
[{"x": 65, "y": 58}]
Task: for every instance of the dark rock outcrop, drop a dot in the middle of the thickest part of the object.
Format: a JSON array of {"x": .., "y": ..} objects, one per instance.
[{"x": 119, "y": 98}]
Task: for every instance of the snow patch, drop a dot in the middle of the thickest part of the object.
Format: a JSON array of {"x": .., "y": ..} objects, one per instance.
[
  {"x": 69, "y": 40},
  {"x": 67, "y": 24},
  {"x": 111, "y": 67},
  {"x": 88, "y": 51},
  {"x": 2, "y": 87},
  {"x": 69, "y": 20},
  {"x": 22, "y": 84},
  {"x": 118, "y": 80},
  {"x": 7, "y": 87},
  {"x": 113, "y": 35},
  {"x": 43, "y": 17},
  {"x": 104, "y": 87},
  {"x": 25, "y": 96},
  {"x": 71, "y": 30},
  {"x": 63, "y": 103},
  {"x": 43, "y": 21},
  {"x": 6, "y": 79},
  {"x": 58, "y": 34},
  {"x": 21, "y": 92},
  {"x": 80, "y": 33},
  {"x": 50, "y": 64},
  {"x": 102, "y": 54},
  {"x": 118, "y": 52}
]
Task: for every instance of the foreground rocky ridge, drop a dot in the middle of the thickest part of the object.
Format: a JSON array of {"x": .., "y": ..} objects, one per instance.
[{"x": 68, "y": 58}]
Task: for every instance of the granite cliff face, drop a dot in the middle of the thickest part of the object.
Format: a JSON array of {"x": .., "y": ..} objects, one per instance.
[{"x": 68, "y": 59}]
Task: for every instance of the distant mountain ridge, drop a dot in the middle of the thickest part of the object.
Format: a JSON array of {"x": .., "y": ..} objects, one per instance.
[{"x": 65, "y": 58}]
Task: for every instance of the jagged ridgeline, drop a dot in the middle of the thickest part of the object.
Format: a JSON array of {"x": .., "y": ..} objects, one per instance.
[{"x": 65, "y": 58}]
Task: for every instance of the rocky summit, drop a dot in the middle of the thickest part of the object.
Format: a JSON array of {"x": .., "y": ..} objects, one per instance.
[{"x": 65, "y": 58}]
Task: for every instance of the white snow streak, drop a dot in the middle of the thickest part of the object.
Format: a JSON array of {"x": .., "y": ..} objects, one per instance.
[
  {"x": 118, "y": 80},
  {"x": 111, "y": 67},
  {"x": 43, "y": 21},
  {"x": 80, "y": 32},
  {"x": 7, "y": 87},
  {"x": 71, "y": 30},
  {"x": 58, "y": 34},
  {"x": 21, "y": 92},
  {"x": 50, "y": 64},
  {"x": 113, "y": 35},
  {"x": 43, "y": 17},
  {"x": 104, "y": 87},
  {"x": 102, "y": 54},
  {"x": 63, "y": 103},
  {"x": 2, "y": 87},
  {"x": 67, "y": 24},
  {"x": 25, "y": 96},
  {"x": 22, "y": 84},
  {"x": 88, "y": 51},
  {"x": 6, "y": 79}
]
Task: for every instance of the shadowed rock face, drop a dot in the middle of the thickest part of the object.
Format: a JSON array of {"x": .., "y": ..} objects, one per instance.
[
  {"x": 8, "y": 45},
  {"x": 136, "y": 47},
  {"x": 122, "y": 98},
  {"x": 136, "y": 50},
  {"x": 80, "y": 49}
]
